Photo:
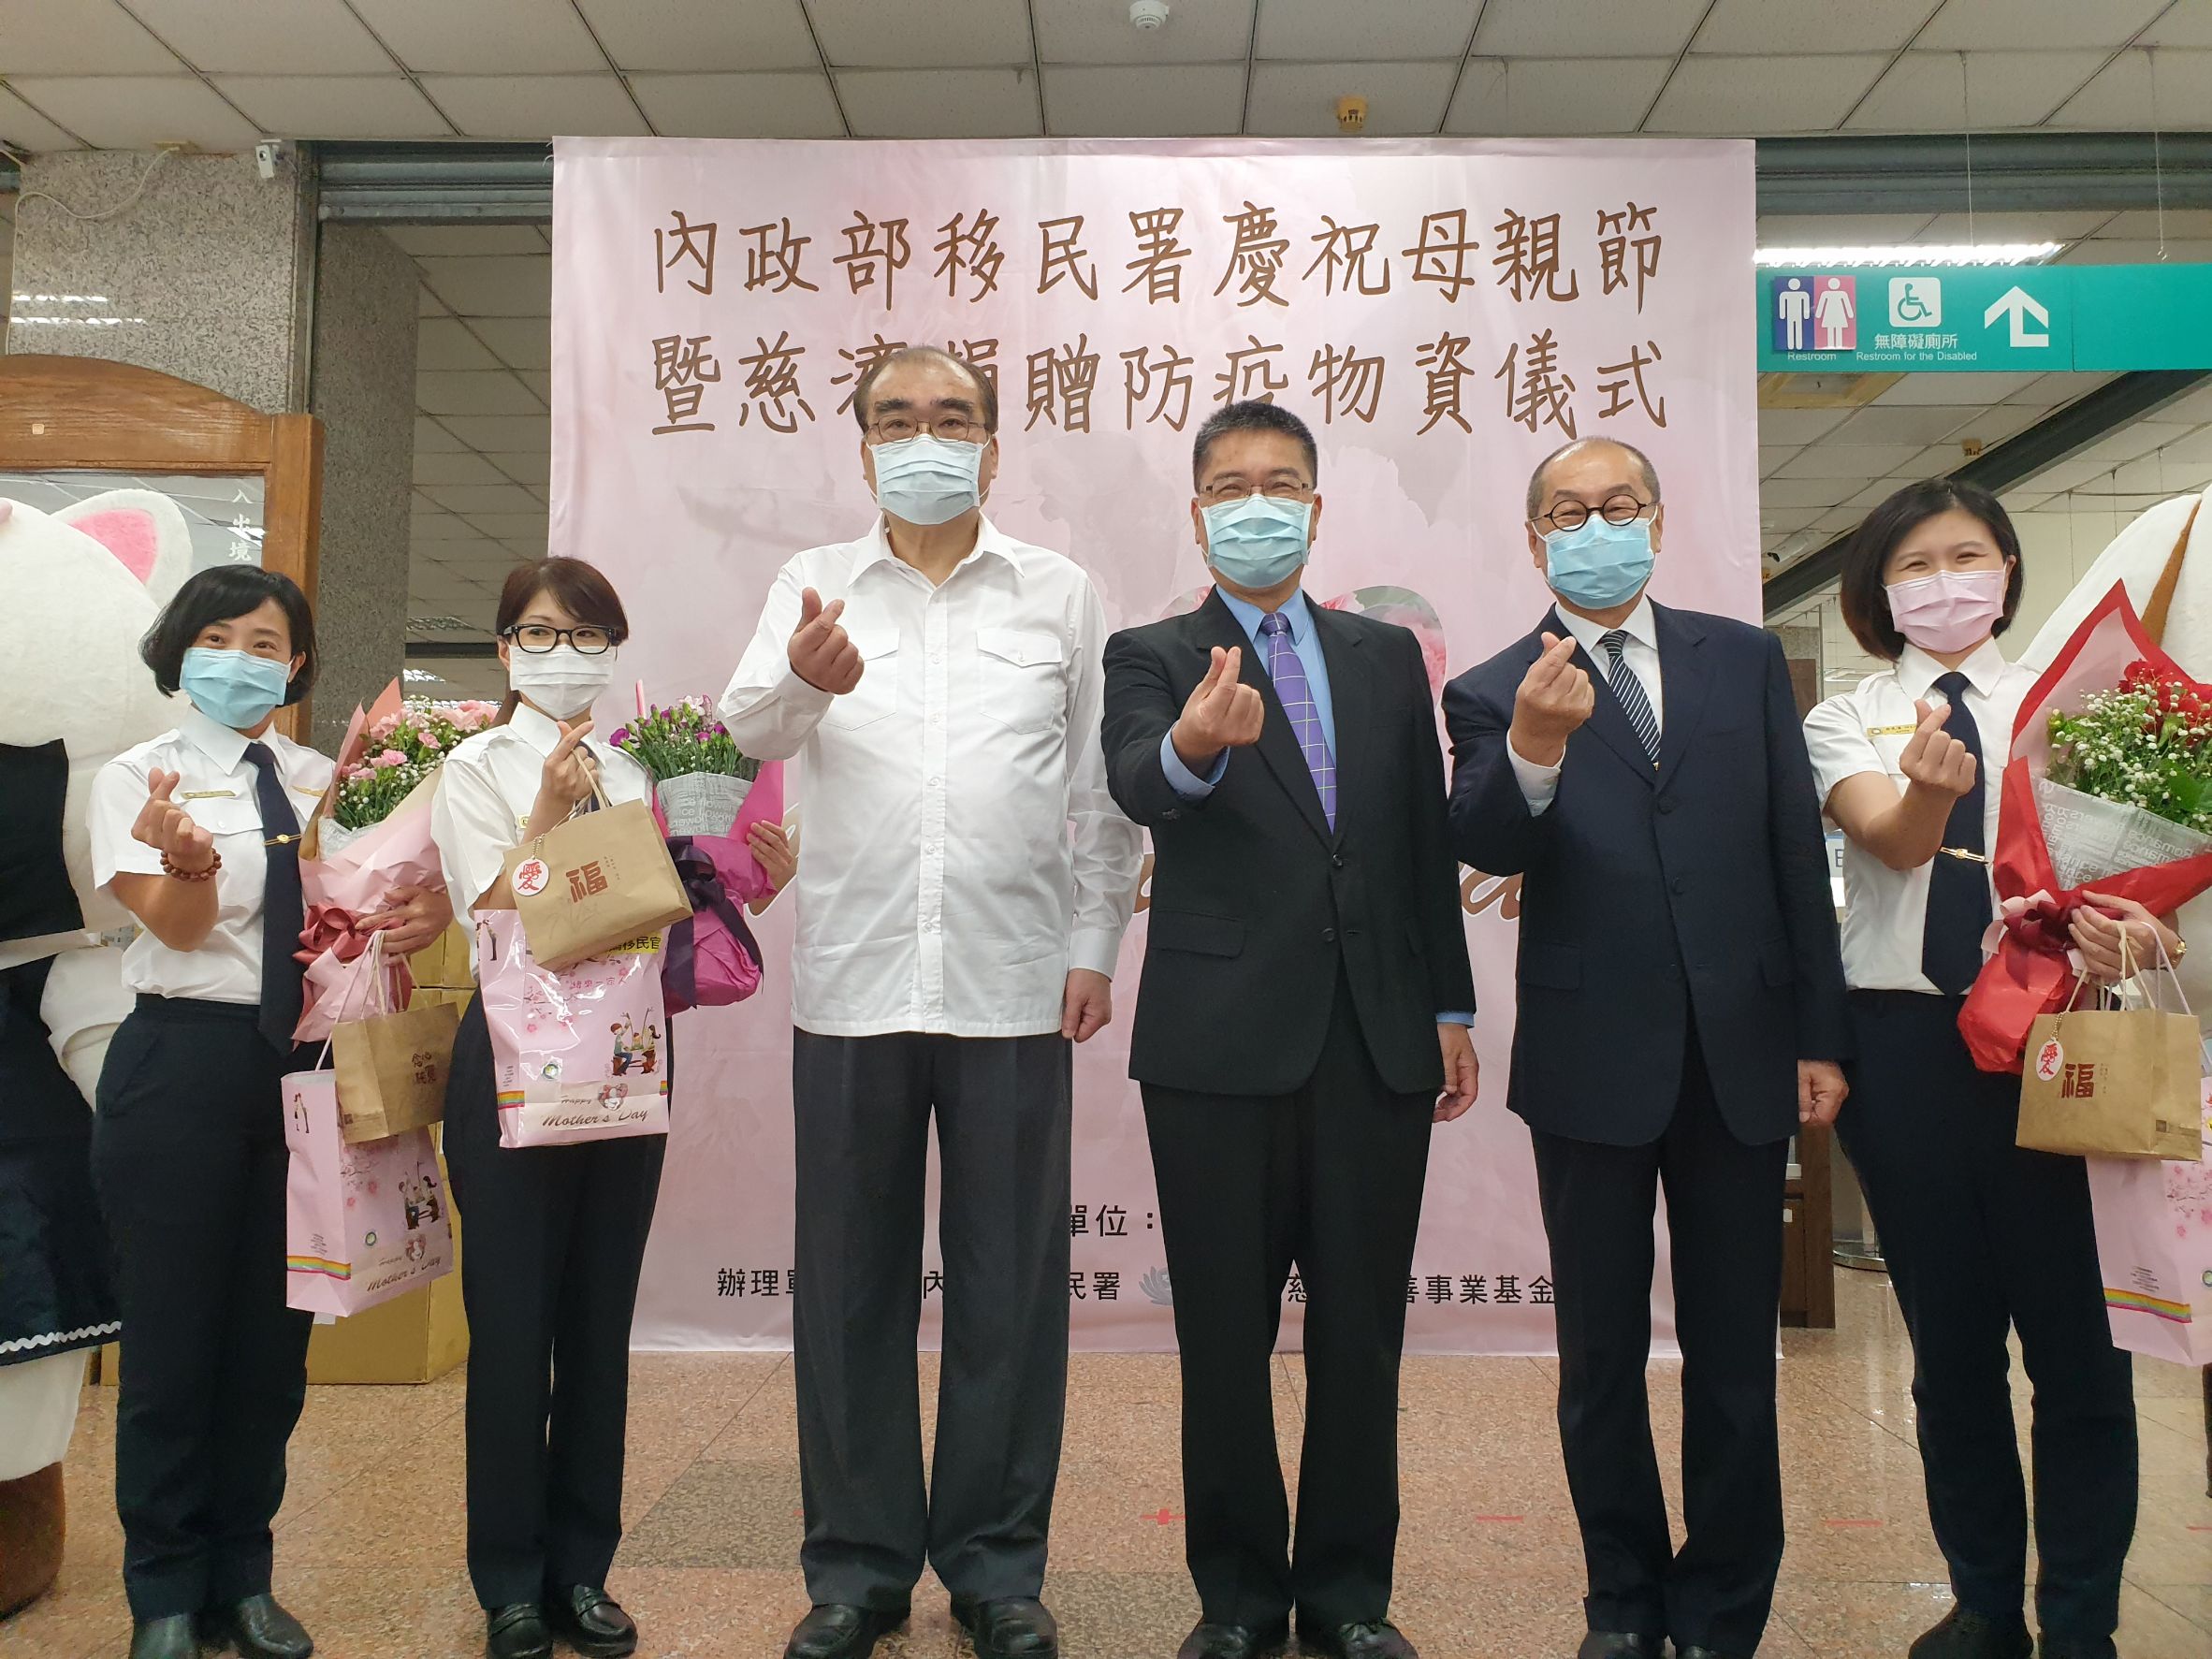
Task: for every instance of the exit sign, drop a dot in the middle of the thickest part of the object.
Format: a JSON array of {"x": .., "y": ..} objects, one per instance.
[{"x": 1890, "y": 319}]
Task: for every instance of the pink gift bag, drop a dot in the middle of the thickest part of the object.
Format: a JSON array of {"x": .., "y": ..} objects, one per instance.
[
  {"x": 578, "y": 1053},
  {"x": 362, "y": 1223},
  {"x": 2154, "y": 1243}
]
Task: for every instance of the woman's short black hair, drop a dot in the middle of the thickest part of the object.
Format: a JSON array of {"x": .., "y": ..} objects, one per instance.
[
  {"x": 218, "y": 595},
  {"x": 1865, "y": 606}
]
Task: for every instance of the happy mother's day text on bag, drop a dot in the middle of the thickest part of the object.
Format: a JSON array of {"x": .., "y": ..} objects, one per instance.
[
  {"x": 362, "y": 1223},
  {"x": 595, "y": 882},
  {"x": 578, "y": 1053}
]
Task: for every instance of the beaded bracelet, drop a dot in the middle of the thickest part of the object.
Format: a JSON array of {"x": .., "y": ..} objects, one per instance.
[{"x": 170, "y": 869}]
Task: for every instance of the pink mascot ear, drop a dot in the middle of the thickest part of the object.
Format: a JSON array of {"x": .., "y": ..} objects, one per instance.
[{"x": 128, "y": 532}]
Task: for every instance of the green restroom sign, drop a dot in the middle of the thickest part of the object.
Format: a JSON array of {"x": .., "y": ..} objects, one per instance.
[{"x": 1889, "y": 319}]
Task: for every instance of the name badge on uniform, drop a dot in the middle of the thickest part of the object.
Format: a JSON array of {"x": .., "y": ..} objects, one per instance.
[
  {"x": 1905, "y": 731},
  {"x": 211, "y": 794}
]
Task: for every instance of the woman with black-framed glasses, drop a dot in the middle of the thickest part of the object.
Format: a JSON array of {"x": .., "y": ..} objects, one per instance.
[{"x": 555, "y": 1234}]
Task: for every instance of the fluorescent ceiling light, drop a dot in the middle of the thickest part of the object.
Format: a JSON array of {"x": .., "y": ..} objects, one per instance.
[{"x": 1912, "y": 254}]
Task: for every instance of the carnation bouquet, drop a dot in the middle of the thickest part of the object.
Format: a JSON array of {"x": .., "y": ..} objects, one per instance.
[
  {"x": 700, "y": 778},
  {"x": 2109, "y": 785},
  {"x": 397, "y": 752}
]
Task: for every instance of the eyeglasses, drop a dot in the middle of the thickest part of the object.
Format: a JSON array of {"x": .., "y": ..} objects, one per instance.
[
  {"x": 537, "y": 639},
  {"x": 949, "y": 429},
  {"x": 1236, "y": 489},
  {"x": 1617, "y": 510}
]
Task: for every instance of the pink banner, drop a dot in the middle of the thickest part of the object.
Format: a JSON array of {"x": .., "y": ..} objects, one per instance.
[{"x": 1442, "y": 313}]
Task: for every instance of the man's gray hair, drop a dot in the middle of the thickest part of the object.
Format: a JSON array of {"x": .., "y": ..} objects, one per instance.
[{"x": 1649, "y": 474}]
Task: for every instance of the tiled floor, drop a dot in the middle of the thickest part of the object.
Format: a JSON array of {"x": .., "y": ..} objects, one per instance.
[{"x": 369, "y": 1547}]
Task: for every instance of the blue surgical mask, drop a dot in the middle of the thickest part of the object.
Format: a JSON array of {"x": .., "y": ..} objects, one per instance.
[
  {"x": 233, "y": 689},
  {"x": 1258, "y": 542},
  {"x": 925, "y": 480},
  {"x": 1599, "y": 565}
]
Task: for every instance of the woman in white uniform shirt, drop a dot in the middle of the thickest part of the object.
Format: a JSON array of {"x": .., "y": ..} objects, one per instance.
[
  {"x": 196, "y": 833},
  {"x": 555, "y": 1234},
  {"x": 1981, "y": 1237}
]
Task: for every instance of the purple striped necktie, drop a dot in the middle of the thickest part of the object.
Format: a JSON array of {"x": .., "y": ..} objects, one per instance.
[{"x": 1296, "y": 693}]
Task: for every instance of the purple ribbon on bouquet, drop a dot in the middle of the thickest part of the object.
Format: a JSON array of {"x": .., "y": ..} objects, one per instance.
[{"x": 705, "y": 885}]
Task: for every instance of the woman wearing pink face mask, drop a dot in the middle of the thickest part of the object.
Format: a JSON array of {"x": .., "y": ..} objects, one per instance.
[{"x": 1981, "y": 1237}]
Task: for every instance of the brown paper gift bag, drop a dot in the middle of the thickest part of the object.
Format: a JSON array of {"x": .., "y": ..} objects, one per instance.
[
  {"x": 596, "y": 881},
  {"x": 2112, "y": 1082},
  {"x": 391, "y": 1071}
]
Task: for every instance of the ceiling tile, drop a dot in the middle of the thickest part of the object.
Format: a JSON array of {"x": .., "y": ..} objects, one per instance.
[
  {"x": 797, "y": 105},
  {"x": 2127, "y": 442},
  {"x": 520, "y": 342},
  {"x": 2098, "y": 251},
  {"x": 540, "y": 383},
  {"x": 1996, "y": 424},
  {"x": 1546, "y": 95},
  {"x": 444, "y": 345},
  {"x": 473, "y": 498},
  {"x": 514, "y": 286},
  {"x": 1838, "y": 230},
  {"x": 1329, "y": 31},
  {"x": 944, "y": 34},
  {"x": 1974, "y": 25},
  {"x": 1809, "y": 26},
  {"x": 336, "y": 106},
  {"x": 455, "y": 241},
  {"x": 2183, "y": 26},
  {"x": 2121, "y": 98},
  {"x": 525, "y": 468},
  {"x": 1803, "y": 492},
  {"x": 484, "y": 37},
  {"x": 687, "y": 35},
  {"x": 1923, "y": 91},
  {"x": 25, "y": 129},
  {"x": 484, "y": 392},
  {"x": 459, "y": 467},
  {"x": 429, "y": 435},
  {"x": 536, "y": 106},
  {"x": 2145, "y": 224},
  {"x": 939, "y": 103},
  {"x": 1773, "y": 456},
  {"x": 2054, "y": 391},
  {"x": 440, "y": 526},
  {"x": 489, "y": 432},
  {"x": 87, "y": 37},
  {"x": 1786, "y": 519},
  {"x": 137, "y": 112},
  {"x": 1901, "y": 422},
  {"x": 525, "y": 529},
  {"x": 1089, "y": 32},
  {"x": 1154, "y": 101},
  {"x": 266, "y": 37},
  {"x": 1300, "y": 99},
  {"x": 1586, "y": 28},
  {"x": 1858, "y": 460},
  {"x": 1763, "y": 95},
  {"x": 1960, "y": 228},
  {"x": 1985, "y": 387},
  {"x": 1797, "y": 426},
  {"x": 427, "y": 304}
]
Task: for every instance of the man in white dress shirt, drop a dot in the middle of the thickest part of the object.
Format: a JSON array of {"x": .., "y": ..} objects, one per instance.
[{"x": 965, "y": 886}]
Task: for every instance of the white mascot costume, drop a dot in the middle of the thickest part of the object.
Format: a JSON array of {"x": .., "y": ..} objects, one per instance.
[
  {"x": 2164, "y": 559},
  {"x": 83, "y": 586}
]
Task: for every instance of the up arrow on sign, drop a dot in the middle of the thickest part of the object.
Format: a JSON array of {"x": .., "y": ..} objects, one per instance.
[{"x": 2015, "y": 302}]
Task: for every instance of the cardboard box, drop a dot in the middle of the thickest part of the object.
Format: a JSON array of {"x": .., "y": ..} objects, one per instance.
[{"x": 414, "y": 1338}]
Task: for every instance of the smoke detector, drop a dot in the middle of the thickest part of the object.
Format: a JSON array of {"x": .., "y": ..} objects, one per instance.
[{"x": 1148, "y": 15}]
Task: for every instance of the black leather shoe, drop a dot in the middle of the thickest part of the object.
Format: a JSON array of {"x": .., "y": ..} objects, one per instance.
[
  {"x": 1965, "y": 1634},
  {"x": 1696, "y": 1651},
  {"x": 1011, "y": 1628},
  {"x": 176, "y": 1637},
  {"x": 592, "y": 1621},
  {"x": 259, "y": 1629},
  {"x": 1235, "y": 1641},
  {"x": 842, "y": 1631},
  {"x": 1620, "y": 1644},
  {"x": 2076, "y": 1647},
  {"x": 518, "y": 1631},
  {"x": 1375, "y": 1638}
]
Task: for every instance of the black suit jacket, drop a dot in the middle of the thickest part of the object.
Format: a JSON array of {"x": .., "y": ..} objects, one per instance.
[
  {"x": 1649, "y": 895},
  {"x": 1255, "y": 901}
]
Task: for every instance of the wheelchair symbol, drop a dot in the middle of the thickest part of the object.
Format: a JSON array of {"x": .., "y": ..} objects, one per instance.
[{"x": 1916, "y": 302}]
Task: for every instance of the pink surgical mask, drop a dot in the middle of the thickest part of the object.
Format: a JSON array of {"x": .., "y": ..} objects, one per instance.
[{"x": 1950, "y": 610}]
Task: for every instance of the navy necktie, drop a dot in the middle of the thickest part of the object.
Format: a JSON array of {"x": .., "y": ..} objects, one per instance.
[
  {"x": 1957, "y": 888},
  {"x": 284, "y": 911}
]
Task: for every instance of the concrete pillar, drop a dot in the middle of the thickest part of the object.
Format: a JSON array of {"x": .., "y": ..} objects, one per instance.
[{"x": 198, "y": 266}]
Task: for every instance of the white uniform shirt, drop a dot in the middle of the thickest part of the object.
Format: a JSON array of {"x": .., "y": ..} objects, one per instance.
[
  {"x": 1639, "y": 655},
  {"x": 216, "y": 787},
  {"x": 941, "y": 889},
  {"x": 486, "y": 790},
  {"x": 1865, "y": 730}
]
